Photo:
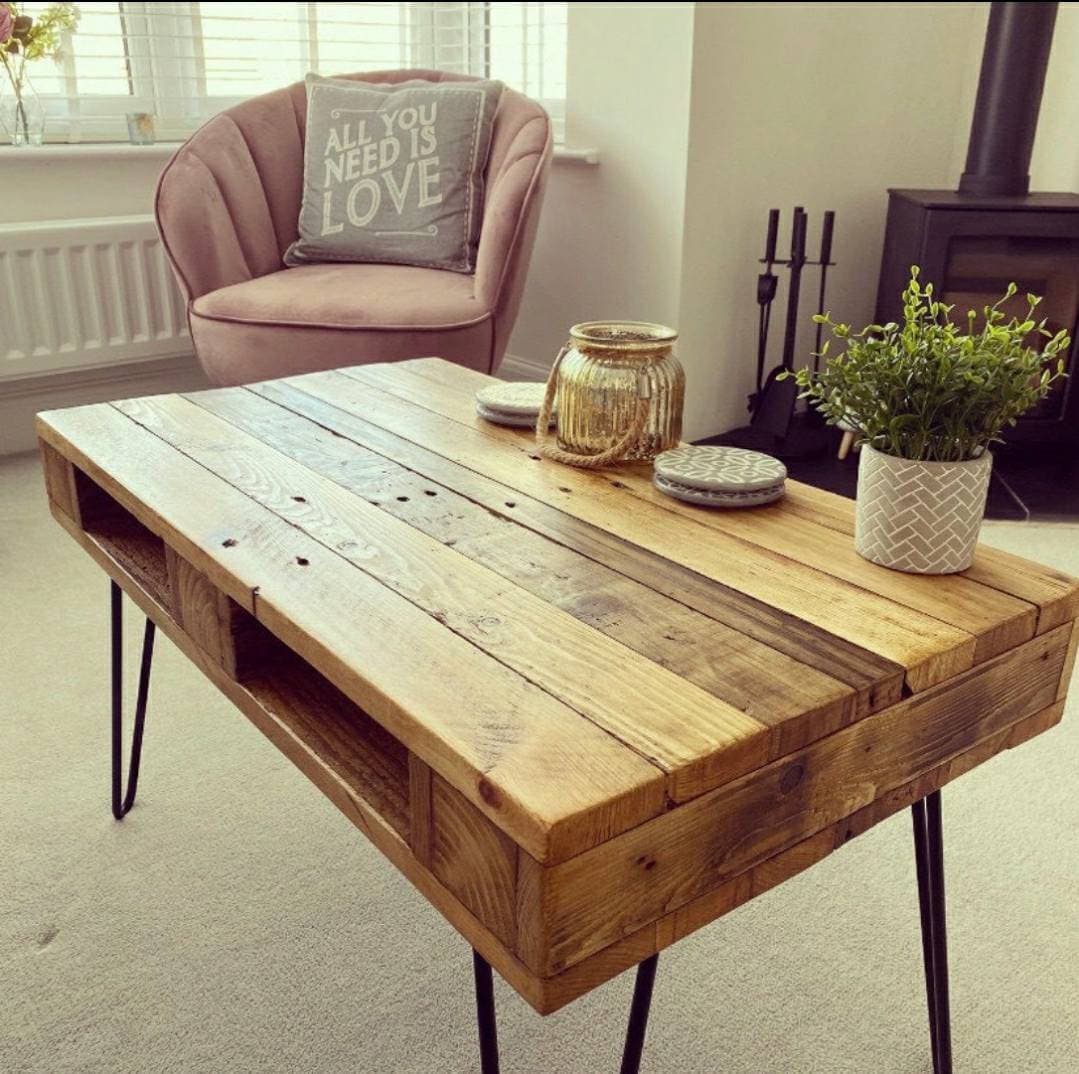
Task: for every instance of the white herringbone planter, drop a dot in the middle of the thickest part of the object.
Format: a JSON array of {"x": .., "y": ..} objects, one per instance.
[{"x": 920, "y": 517}]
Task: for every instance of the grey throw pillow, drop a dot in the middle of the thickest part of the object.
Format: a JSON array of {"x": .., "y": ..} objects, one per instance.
[{"x": 394, "y": 173}]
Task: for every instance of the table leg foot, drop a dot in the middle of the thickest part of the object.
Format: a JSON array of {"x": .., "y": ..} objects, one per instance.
[
  {"x": 929, "y": 862},
  {"x": 122, "y": 800}
]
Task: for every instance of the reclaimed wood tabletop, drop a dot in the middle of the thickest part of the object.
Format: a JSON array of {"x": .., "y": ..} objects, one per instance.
[{"x": 582, "y": 718}]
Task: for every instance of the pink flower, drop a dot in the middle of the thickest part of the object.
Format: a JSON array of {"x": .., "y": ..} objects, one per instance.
[{"x": 7, "y": 22}]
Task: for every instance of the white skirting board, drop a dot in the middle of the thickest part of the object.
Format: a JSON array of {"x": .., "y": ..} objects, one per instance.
[
  {"x": 21, "y": 399},
  {"x": 516, "y": 367}
]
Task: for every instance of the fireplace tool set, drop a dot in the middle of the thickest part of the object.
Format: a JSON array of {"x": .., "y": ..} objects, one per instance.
[{"x": 772, "y": 405}]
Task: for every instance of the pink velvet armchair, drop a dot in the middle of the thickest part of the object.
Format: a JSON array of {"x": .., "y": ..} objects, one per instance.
[{"x": 227, "y": 206}]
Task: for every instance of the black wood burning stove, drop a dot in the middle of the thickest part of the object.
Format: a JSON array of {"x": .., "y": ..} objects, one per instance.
[{"x": 970, "y": 243}]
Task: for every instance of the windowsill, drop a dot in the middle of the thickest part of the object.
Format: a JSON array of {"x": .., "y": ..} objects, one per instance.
[
  {"x": 88, "y": 151},
  {"x": 163, "y": 150}
]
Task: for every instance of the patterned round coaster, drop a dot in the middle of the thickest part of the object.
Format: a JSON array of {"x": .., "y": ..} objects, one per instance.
[
  {"x": 522, "y": 399},
  {"x": 689, "y": 494},
  {"x": 720, "y": 469},
  {"x": 517, "y": 421}
]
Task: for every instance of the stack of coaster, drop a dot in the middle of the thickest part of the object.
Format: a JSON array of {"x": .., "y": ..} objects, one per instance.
[
  {"x": 515, "y": 404},
  {"x": 719, "y": 476}
]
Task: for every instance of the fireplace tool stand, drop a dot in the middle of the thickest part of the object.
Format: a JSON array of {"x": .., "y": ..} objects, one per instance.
[{"x": 774, "y": 427}]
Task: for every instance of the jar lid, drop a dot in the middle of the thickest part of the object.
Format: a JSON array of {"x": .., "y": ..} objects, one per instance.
[
  {"x": 521, "y": 399},
  {"x": 719, "y": 469}
]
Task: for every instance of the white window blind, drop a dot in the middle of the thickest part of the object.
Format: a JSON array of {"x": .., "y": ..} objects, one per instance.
[{"x": 184, "y": 62}]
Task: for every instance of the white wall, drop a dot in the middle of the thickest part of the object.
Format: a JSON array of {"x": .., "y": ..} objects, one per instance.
[
  {"x": 823, "y": 105},
  {"x": 1055, "y": 164},
  {"x": 610, "y": 242},
  {"x": 58, "y": 187}
]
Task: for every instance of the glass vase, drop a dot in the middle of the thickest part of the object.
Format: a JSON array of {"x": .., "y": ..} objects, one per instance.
[
  {"x": 22, "y": 115},
  {"x": 598, "y": 385}
]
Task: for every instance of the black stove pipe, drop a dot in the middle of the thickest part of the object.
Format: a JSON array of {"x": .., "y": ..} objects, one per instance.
[{"x": 1010, "y": 87}]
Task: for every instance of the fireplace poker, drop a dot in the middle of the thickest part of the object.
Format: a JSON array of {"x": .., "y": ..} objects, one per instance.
[
  {"x": 825, "y": 260},
  {"x": 767, "y": 282},
  {"x": 797, "y": 261},
  {"x": 776, "y": 404}
]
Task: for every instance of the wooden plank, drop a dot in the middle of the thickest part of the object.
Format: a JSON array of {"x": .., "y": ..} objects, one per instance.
[
  {"x": 711, "y": 905},
  {"x": 474, "y": 860},
  {"x": 421, "y": 819},
  {"x": 930, "y": 650},
  {"x": 59, "y": 481},
  {"x": 1069, "y": 663},
  {"x": 128, "y": 541},
  {"x": 699, "y": 740},
  {"x": 877, "y": 682},
  {"x": 1055, "y": 593},
  {"x": 531, "y": 935},
  {"x": 345, "y": 739},
  {"x": 1020, "y": 732},
  {"x": 797, "y": 701},
  {"x": 610, "y": 891},
  {"x": 486, "y": 730},
  {"x": 793, "y": 699},
  {"x": 554, "y": 993},
  {"x": 999, "y": 622},
  {"x": 1007, "y": 738},
  {"x": 215, "y": 622},
  {"x": 707, "y": 908}
]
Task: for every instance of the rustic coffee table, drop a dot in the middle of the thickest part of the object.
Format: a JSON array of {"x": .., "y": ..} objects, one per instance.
[{"x": 582, "y": 718}]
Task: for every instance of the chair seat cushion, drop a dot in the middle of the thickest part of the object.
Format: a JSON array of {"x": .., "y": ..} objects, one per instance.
[
  {"x": 349, "y": 296},
  {"x": 315, "y": 317}
]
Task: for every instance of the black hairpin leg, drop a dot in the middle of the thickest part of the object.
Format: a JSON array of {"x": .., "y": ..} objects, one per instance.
[
  {"x": 485, "y": 1014},
  {"x": 929, "y": 861},
  {"x": 638, "y": 1016},
  {"x": 123, "y": 801}
]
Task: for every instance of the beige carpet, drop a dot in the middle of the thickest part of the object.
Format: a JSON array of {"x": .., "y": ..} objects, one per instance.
[{"x": 235, "y": 922}]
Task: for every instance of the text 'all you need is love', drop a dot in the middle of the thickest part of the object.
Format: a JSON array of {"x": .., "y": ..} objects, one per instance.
[{"x": 368, "y": 156}]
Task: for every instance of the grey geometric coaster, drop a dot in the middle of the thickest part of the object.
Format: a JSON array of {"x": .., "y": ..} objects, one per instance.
[
  {"x": 517, "y": 421},
  {"x": 522, "y": 399},
  {"x": 713, "y": 498},
  {"x": 719, "y": 469}
]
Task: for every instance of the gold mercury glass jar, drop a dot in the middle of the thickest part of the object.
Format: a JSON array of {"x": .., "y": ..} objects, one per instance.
[{"x": 605, "y": 368}]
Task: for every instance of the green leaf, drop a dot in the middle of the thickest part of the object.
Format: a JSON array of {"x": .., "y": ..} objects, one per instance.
[{"x": 925, "y": 389}]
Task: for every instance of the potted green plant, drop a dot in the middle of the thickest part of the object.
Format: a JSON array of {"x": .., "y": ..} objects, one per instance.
[
  {"x": 23, "y": 39},
  {"x": 927, "y": 398}
]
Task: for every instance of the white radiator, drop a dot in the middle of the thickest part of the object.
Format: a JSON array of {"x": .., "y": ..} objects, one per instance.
[{"x": 77, "y": 294}]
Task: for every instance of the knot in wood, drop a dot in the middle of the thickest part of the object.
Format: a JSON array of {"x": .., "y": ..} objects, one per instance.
[
  {"x": 489, "y": 792},
  {"x": 791, "y": 778}
]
